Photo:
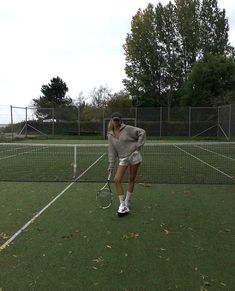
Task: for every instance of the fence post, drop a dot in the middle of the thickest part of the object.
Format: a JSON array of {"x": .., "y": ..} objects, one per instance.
[
  {"x": 189, "y": 120},
  {"x": 103, "y": 117},
  {"x": 229, "y": 124},
  {"x": 218, "y": 121},
  {"x": 53, "y": 120},
  {"x": 136, "y": 115},
  {"x": 79, "y": 121},
  {"x": 11, "y": 124},
  {"x": 160, "y": 123},
  {"x": 26, "y": 121}
]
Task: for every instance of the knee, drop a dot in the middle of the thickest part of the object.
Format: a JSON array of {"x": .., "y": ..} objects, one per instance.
[{"x": 117, "y": 180}]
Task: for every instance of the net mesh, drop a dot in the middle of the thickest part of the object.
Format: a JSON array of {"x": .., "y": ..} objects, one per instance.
[{"x": 194, "y": 163}]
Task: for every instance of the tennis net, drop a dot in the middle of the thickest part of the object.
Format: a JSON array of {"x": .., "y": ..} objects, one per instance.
[{"x": 163, "y": 163}]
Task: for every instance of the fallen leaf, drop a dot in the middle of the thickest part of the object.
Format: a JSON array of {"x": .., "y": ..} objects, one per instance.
[
  {"x": 166, "y": 231},
  {"x": 98, "y": 260},
  {"x": 206, "y": 283},
  {"x": 3, "y": 235},
  {"x": 67, "y": 236},
  {"x": 134, "y": 234},
  {"x": 131, "y": 235},
  {"x": 223, "y": 284},
  {"x": 228, "y": 230}
]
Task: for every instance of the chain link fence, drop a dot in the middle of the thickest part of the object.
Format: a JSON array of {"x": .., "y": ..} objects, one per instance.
[{"x": 91, "y": 122}]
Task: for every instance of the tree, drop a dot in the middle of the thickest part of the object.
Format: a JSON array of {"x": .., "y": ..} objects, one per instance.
[
  {"x": 80, "y": 101},
  {"x": 213, "y": 29},
  {"x": 163, "y": 44},
  {"x": 119, "y": 100},
  {"x": 143, "y": 59},
  {"x": 54, "y": 96},
  {"x": 188, "y": 23},
  {"x": 100, "y": 96},
  {"x": 211, "y": 82},
  {"x": 172, "y": 76}
]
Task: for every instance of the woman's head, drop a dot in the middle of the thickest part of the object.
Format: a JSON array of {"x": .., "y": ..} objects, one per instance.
[
  {"x": 116, "y": 121},
  {"x": 116, "y": 117}
]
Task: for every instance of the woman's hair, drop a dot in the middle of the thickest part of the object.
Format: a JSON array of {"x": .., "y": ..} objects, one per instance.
[{"x": 110, "y": 126}]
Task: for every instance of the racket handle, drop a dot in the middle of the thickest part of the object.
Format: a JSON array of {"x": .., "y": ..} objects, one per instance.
[{"x": 109, "y": 176}]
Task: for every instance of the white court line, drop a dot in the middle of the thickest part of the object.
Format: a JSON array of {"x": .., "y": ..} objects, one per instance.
[
  {"x": 2, "y": 247},
  {"x": 215, "y": 153},
  {"x": 214, "y": 168}
]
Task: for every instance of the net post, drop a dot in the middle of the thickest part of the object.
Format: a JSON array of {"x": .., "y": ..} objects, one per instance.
[{"x": 74, "y": 161}]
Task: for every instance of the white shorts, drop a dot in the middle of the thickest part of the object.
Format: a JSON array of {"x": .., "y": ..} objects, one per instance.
[{"x": 133, "y": 159}]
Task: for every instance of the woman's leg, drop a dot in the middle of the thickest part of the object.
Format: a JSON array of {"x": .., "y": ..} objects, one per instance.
[
  {"x": 132, "y": 176},
  {"x": 123, "y": 209},
  {"x": 131, "y": 184},
  {"x": 118, "y": 179}
]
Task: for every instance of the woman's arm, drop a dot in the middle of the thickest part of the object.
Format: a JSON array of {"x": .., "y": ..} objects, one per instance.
[
  {"x": 141, "y": 136},
  {"x": 112, "y": 154}
]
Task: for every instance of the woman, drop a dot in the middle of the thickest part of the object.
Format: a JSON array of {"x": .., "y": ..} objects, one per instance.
[{"x": 124, "y": 143}]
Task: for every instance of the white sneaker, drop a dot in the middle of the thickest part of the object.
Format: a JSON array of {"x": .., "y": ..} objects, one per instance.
[
  {"x": 123, "y": 210},
  {"x": 127, "y": 203}
]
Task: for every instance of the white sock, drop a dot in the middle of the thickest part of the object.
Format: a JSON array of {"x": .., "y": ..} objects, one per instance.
[
  {"x": 128, "y": 196},
  {"x": 121, "y": 199}
]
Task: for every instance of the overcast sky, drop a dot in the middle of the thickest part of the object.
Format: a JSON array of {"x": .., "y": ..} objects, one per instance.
[{"x": 79, "y": 41}]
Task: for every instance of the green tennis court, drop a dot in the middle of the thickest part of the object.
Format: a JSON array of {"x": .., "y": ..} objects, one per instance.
[{"x": 179, "y": 235}]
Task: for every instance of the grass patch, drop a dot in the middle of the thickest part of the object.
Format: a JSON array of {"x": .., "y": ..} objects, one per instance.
[{"x": 177, "y": 237}]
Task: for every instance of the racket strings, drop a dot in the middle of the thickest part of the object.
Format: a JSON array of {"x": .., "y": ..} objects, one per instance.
[{"x": 104, "y": 197}]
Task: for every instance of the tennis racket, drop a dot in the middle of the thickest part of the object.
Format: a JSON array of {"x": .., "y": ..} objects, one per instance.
[{"x": 104, "y": 196}]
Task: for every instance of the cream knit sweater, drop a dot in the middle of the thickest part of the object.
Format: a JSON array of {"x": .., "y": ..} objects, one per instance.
[{"x": 131, "y": 138}]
